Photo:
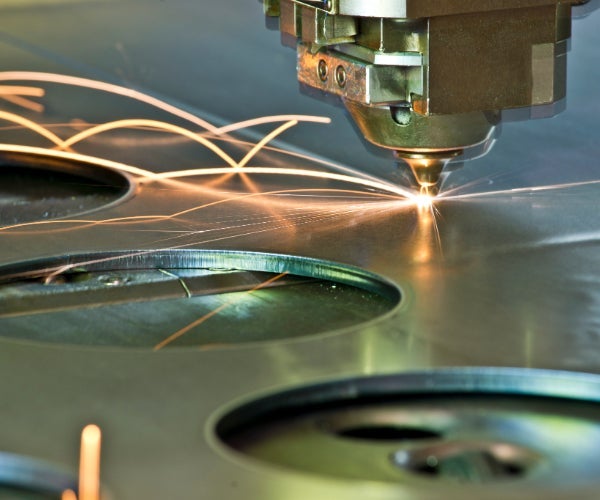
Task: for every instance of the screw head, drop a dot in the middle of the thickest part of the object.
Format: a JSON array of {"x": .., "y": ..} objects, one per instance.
[
  {"x": 340, "y": 76},
  {"x": 322, "y": 70}
]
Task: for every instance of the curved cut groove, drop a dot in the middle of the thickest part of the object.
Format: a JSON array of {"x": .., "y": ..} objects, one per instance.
[
  {"x": 206, "y": 298},
  {"x": 37, "y": 187}
]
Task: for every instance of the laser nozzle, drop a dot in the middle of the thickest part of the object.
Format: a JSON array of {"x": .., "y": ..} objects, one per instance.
[{"x": 427, "y": 167}]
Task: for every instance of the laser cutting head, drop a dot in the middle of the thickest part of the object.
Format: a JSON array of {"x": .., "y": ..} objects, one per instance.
[{"x": 429, "y": 78}]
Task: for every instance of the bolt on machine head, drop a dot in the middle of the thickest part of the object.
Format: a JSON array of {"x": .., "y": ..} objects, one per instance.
[{"x": 429, "y": 79}]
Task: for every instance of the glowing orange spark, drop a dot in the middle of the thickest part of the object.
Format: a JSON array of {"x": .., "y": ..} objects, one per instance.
[
  {"x": 267, "y": 138},
  {"x": 151, "y": 176},
  {"x": 270, "y": 119},
  {"x": 101, "y": 162},
  {"x": 35, "y": 76},
  {"x": 209, "y": 315},
  {"x": 68, "y": 495},
  {"x": 269, "y": 228},
  {"x": 533, "y": 189},
  {"x": 133, "y": 94},
  {"x": 159, "y": 104},
  {"x": 424, "y": 201},
  {"x": 21, "y": 90},
  {"x": 150, "y": 124},
  {"x": 379, "y": 185},
  {"x": 89, "y": 465},
  {"x": 11, "y": 117},
  {"x": 15, "y": 93},
  {"x": 315, "y": 159},
  {"x": 136, "y": 219},
  {"x": 87, "y": 223},
  {"x": 24, "y": 103},
  {"x": 131, "y": 123}
]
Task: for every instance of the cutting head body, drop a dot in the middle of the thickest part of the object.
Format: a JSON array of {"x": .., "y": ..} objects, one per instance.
[{"x": 429, "y": 79}]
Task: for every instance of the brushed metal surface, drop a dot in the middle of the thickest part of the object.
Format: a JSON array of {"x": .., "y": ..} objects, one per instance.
[{"x": 509, "y": 278}]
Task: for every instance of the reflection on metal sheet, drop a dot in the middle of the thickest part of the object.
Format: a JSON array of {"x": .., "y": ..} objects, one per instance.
[
  {"x": 427, "y": 431},
  {"x": 189, "y": 115}
]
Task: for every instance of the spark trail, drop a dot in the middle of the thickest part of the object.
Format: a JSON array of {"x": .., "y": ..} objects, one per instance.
[
  {"x": 384, "y": 196},
  {"x": 221, "y": 132},
  {"x": 17, "y": 95},
  {"x": 521, "y": 190},
  {"x": 388, "y": 194},
  {"x": 214, "y": 312}
]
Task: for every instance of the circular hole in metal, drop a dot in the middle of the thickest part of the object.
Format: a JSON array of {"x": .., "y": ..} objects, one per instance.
[
  {"x": 427, "y": 430},
  {"x": 374, "y": 432},
  {"x": 35, "y": 187},
  {"x": 185, "y": 298},
  {"x": 24, "y": 478}
]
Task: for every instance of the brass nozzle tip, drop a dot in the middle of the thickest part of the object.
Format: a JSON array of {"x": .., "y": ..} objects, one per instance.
[{"x": 427, "y": 167}]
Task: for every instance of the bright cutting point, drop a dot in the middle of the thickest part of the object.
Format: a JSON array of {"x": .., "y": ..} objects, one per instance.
[
  {"x": 424, "y": 199},
  {"x": 427, "y": 168}
]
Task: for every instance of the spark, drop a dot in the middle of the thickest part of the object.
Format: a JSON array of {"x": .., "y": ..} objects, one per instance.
[
  {"x": 88, "y": 83},
  {"x": 424, "y": 201},
  {"x": 151, "y": 176},
  {"x": 358, "y": 178},
  {"x": 86, "y": 223},
  {"x": 255, "y": 149},
  {"x": 212, "y": 313},
  {"x": 169, "y": 108},
  {"x": 89, "y": 465},
  {"x": 379, "y": 185},
  {"x": 101, "y": 162},
  {"x": 134, "y": 219},
  {"x": 68, "y": 495},
  {"x": 24, "y": 103},
  {"x": 246, "y": 196},
  {"x": 35, "y": 76},
  {"x": 252, "y": 187},
  {"x": 427, "y": 238},
  {"x": 14, "y": 94},
  {"x": 154, "y": 124},
  {"x": 175, "y": 111},
  {"x": 267, "y": 138},
  {"x": 522, "y": 190},
  {"x": 21, "y": 90},
  {"x": 334, "y": 214},
  {"x": 436, "y": 229},
  {"x": 267, "y": 222},
  {"x": 323, "y": 162},
  {"x": 19, "y": 120},
  {"x": 150, "y": 124},
  {"x": 270, "y": 228},
  {"x": 270, "y": 119},
  {"x": 69, "y": 124}
]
